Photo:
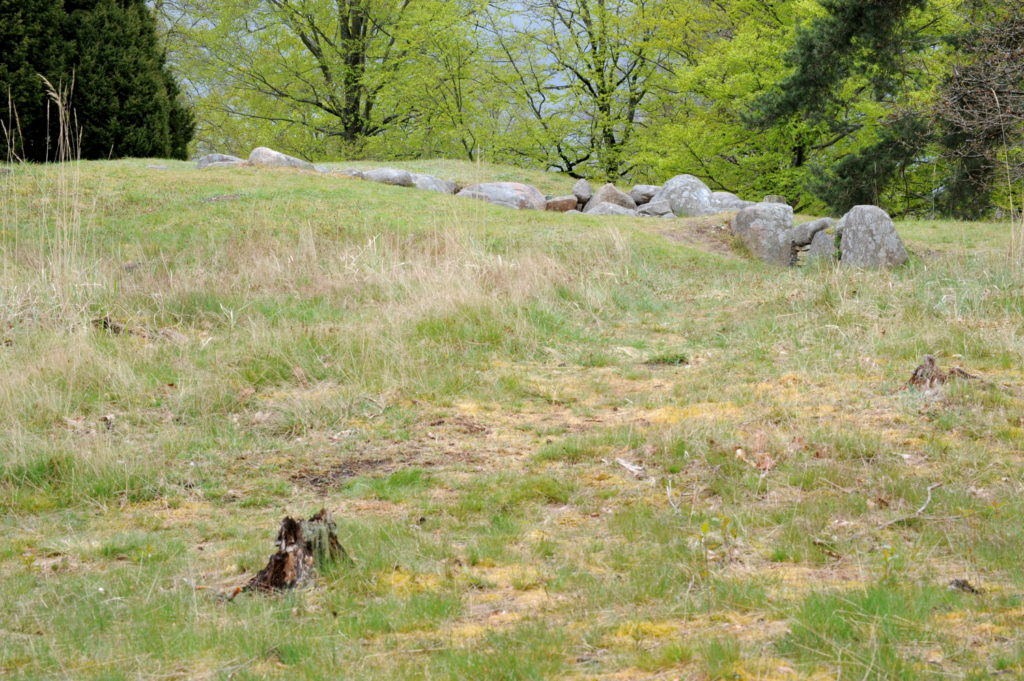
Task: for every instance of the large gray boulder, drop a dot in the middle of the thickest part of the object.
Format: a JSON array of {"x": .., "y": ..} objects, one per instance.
[
  {"x": 643, "y": 193},
  {"x": 204, "y": 161},
  {"x": 868, "y": 238},
  {"x": 263, "y": 156},
  {"x": 687, "y": 195},
  {"x": 727, "y": 202},
  {"x": 509, "y": 194},
  {"x": 656, "y": 209},
  {"x": 610, "y": 194},
  {"x": 582, "y": 191},
  {"x": 392, "y": 176},
  {"x": 764, "y": 229},
  {"x": 348, "y": 172},
  {"x": 606, "y": 208},
  {"x": 433, "y": 184}
]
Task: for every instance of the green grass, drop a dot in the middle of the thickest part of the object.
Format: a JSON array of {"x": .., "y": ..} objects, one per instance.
[{"x": 458, "y": 384}]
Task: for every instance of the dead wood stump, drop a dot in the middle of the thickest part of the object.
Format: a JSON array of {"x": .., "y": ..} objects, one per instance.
[
  {"x": 303, "y": 546},
  {"x": 929, "y": 376}
]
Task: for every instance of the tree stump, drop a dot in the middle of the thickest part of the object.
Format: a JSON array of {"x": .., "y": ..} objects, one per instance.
[
  {"x": 929, "y": 376},
  {"x": 303, "y": 546}
]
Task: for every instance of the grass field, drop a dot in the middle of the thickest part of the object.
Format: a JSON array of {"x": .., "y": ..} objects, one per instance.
[{"x": 457, "y": 383}]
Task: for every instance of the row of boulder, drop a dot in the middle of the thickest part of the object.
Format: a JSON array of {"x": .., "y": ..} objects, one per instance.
[
  {"x": 682, "y": 196},
  {"x": 864, "y": 237}
]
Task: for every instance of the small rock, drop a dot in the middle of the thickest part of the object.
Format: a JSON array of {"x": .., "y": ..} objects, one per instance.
[
  {"x": 204, "y": 161},
  {"x": 775, "y": 198},
  {"x": 868, "y": 238},
  {"x": 804, "y": 234},
  {"x": 643, "y": 193},
  {"x": 173, "y": 335},
  {"x": 433, "y": 184},
  {"x": 573, "y": 212},
  {"x": 508, "y": 194},
  {"x": 225, "y": 164},
  {"x": 6, "y": 171},
  {"x": 583, "y": 192},
  {"x": 658, "y": 209},
  {"x": 392, "y": 176},
  {"x": 561, "y": 204},
  {"x": 605, "y": 208},
  {"x": 221, "y": 197},
  {"x": 824, "y": 246},
  {"x": 610, "y": 194},
  {"x": 264, "y": 156}
]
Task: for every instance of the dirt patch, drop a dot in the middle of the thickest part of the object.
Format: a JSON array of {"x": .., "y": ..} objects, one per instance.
[{"x": 323, "y": 480}]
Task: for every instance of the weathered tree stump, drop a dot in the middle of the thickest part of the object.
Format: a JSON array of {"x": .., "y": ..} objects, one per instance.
[
  {"x": 929, "y": 376},
  {"x": 303, "y": 546}
]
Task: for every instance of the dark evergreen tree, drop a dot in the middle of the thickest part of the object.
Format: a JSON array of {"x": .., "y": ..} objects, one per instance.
[
  {"x": 852, "y": 36},
  {"x": 981, "y": 112},
  {"x": 31, "y": 33},
  {"x": 124, "y": 100}
]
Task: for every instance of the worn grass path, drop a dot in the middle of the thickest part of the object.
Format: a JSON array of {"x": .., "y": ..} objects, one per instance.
[{"x": 461, "y": 385}]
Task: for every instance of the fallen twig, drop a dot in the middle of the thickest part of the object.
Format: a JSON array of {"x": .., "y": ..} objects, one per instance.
[
  {"x": 637, "y": 471},
  {"x": 918, "y": 512}
]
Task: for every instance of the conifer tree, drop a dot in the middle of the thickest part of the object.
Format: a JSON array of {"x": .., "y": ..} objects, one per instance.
[
  {"x": 31, "y": 36},
  {"x": 124, "y": 99}
]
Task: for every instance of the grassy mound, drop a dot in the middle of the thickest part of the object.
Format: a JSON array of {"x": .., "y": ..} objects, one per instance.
[{"x": 186, "y": 356}]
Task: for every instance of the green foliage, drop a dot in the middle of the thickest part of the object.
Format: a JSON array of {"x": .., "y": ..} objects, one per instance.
[
  {"x": 862, "y": 177},
  {"x": 105, "y": 54},
  {"x": 851, "y": 37}
]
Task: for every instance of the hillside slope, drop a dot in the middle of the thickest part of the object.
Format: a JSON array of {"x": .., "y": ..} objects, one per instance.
[{"x": 186, "y": 357}]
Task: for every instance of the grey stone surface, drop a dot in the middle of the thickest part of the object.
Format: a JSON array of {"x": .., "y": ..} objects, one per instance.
[
  {"x": 687, "y": 195},
  {"x": 204, "y": 161},
  {"x": 610, "y": 194},
  {"x": 349, "y": 172},
  {"x": 264, "y": 156},
  {"x": 509, "y": 194},
  {"x": 726, "y": 202},
  {"x": 764, "y": 229},
  {"x": 643, "y": 193},
  {"x": 869, "y": 239},
  {"x": 775, "y": 198},
  {"x": 225, "y": 164},
  {"x": 392, "y": 176},
  {"x": 582, "y": 191},
  {"x": 605, "y": 208},
  {"x": 433, "y": 184},
  {"x": 803, "y": 235},
  {"x": 562, "y": 204},
  {"x": 656, "y": 209},
  {"x": 824, "y": 246}
]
